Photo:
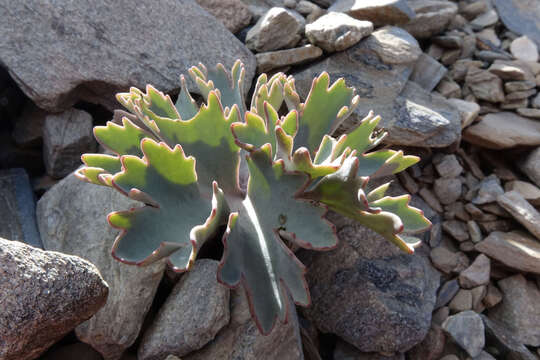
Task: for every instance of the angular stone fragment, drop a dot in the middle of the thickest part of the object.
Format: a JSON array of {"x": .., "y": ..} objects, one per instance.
[
  {"x": 519, "y": 311},
  {"x": 488, "y": 190},
  {"x": 514, "y": 249},
  {"x": 448, "y": 190},
  {"x": 432, "y": 17},
  {"x": 502, "y": 131},
  {"x": 486, "y": 19},
  {"x": 18, "y": 208},
  {"x": 95, "y": 57},
  {"x": 511, "y": 70},
  {"x": 234, "y": 14},
  {"x": 493, "y": 296},
  {"x": 505, "y": 341},
  {"x": 427, "y": 72},
  {"x": 447, "y": 293},
  {"x": 72, "y": 218},
  {"x": 477, "y": 274},
  {"x": 530, "y": 113},
  {"x": 337, "y": 31},
  {"x": 431, "y": 199},
  {"x": 457, "y": 229},
  {"x": 467, "y": 330},
  {"x": 43, "y": 295},
  {"x": 443, "y": 259},
  {"x": 275, "y": 59},
  {"x": 522, "y": 211},
  {"x": 194, "y": 312},
  {"x": 485, "y": 85},
  {"x": 531, "y": 166},
  {"x": 279, "y": 28},
  {"x": 388, "y": 12},
  {"x": 393, "y": 45},
  {"x": 66, "y": 137},
  {"x": 449, "y": 166},
  {"x": 512, "y": 86},
  {"x": 462, "y": 301},
  {"x": 28, "y": 129},
  {"x": 530, "y": 192},
  {"x": 521, "y": 17}
]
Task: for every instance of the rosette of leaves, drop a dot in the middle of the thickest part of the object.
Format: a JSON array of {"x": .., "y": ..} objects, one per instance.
[{"x": 182, "y": 162}]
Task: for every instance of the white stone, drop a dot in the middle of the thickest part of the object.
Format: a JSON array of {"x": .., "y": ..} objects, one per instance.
[{"x": 524, "y": 49}]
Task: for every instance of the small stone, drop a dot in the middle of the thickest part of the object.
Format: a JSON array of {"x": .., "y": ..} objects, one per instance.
[
  {"x": 493, "y": 296},
  {"x": 408, "y": 182},
  {"x": 511, "y": 70},
  {"x": 430, "y": 198},
  {"x": 473, "y": 9},
  {"x": 276, "y": 59},
  {"x": 449, "y": 357},
  {"x": 524, "y": 49},
  {"x": 458, "y": 70},
  {"x": 393, "y": 45},
  {"x": 514, "y": 104},
  {"x": 449, "y": 89},
  {"x": 519, "y": 95},
  {"x": 469, "y": 45},
  {"x": 457, "y": 209},
  {"x": 449, "y": 41},
  {"x": 427, "y": 72},
  {"x": 440, "y": 315},
  {"x": 388, "y": 12},
  {"x": 467, "y": 330},
  {"x": 484, "y": 20},
  {"x": 519, "y": 310},
  {"x": 467, "y": 109},
  {"x": 66, "y": 137},
  {"x": 474, "y": 231},
  {"x": 450, "y": 56},
  {"x": 44, "y": 295},
  {"x": 449, "y": 166},
  {"x": 448, "y": 190},
  {"x": 489, "y": 35},
  {"x": 477, "y": 274},
  {"x": 432, "y": 17},
  {"x": 478, "y": 294},
  {"x": 447, "y": 293},
  {"x": 505, "y": 341},
  {"x": 461, "y": 302},
  {"x": 488, "y": 190},
  {"x": 515, "y": 249},
  {"x": 497, "y": 225},
  {"x": 466, "y": 246},
  {"x": 536, "y": 101},
  {"x": 345, "y": 351},
  {"x": 511, "y": 86},
  {"x": 485, "y": 85},
  {"x": 443, "y": 259},
  {"x": 530, "y": 192},
  {"x": 484, "y": 356},
  {"x": 234, "y": 14},
  {"x": 522, "y": 211},
  {"x": 530, "y": 113},
  {"x": 278, "y": 28},
  {"x": 531, "y": 166},
  {"x": 431, "y": 347},
  {"x": 457, "y": 229}
]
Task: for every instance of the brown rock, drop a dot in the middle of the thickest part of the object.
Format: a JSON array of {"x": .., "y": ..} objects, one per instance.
[
  {"x": 485, "y": 85},
  {"x": 521, "y": 210},
  {"x": 530, "y": 192},
  {"x": 477, "y": 274},
  {"x": 391, "y": 12},
  {"x": 276, "y": 59},
  {"x": 457, "y": 229},
  {"x": 234, "y": 14}
]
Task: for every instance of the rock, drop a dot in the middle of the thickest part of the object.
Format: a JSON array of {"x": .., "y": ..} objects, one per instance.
[
  {"x": 477, "y": 274},
  {"x": 393, "y": 45},
  {"x": 519, "y": 310},
  {"x": 79, "y": 351},
  {"x": 28, "y": 128},
  {"x": 502, "y": 131},
  {"x": 531, "y": 166},
  {"x": 493, "y": 296},
  {"x": 444, "y": 259},
  {"x": 485, "y": 85},
  {"x": 234, "y": 14},
  {"x": 447, "y": 292},
  {"x": 486, "y": 19},
  {"x": 536, "y": 101},
  {"x": 44, "y": 295},
  {"x": 94, "y": 58},
  {"x": 530, "y": 192},
  {"x": 337, "y": 31},
  {"x": 430, "y": 198},
  {"x": 427, "y": 72},
  {"x": 462, "y": 301},
  {"x": 448, "y": 190},
  {"x": 467, "y": 330},
  {"x": 478, "y": 294},
  {"x": 408, "y": 182},
  {"x": 521, "y": 210},
  {"x": 523, "y": 85},
  {"x": 66, "y": 137},
  {"x": 241, "y": 339},
  {"x": 467, "y": 109},
  {"x": 457, "y": 229},
  {"x": 449, "y": 88},
  {"x": 519, "y": 95},
  {"x": 488, "y": 36},
  {"x": 488, "y": 190},
  {"x": 448, "y": 166},
  {"x": 196, "y": 299},
  {"x": 484, "y": 356},
  {"x": 474, "y": 231},
  {"x": 431, "y": 347},
  {"x": 18, "y": 210},
  {"x": 345, "y": 351},
  {"x": 511, "y": 70},
  {"x": 279, "y": 28},
  {"x": 472, "y": 10},
  {"x": 440, "y": 315},
  {"x": 450, "y": 357},
  {"x": 275, "y": 59},
  {"x": 530, "y": 113},
  {"x": 389, "y": 12},
  {"x": 521, "y": 17},
  {"x": 367, "y": 287},
  {"x": 72, "y": 218},
  {"x": 432, "y": 17},
  {"x": 505, "y": 342}
]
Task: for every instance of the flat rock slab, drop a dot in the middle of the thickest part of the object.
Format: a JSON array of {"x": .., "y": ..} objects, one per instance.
[
  {"x": 43, "y": 296},
  {"x": 502, "y": 131},
  {"x": 432, "y": 17},
  {"x": 531, "y": 166},
  {"x": 521, "y": 17},
  {"x": 72, "y": 218},
  {"x": 97, "y": 50},
  {"x": 505, "y": 342},
  {"x": 18, "y": 210},
  {"x": 275, "y": 59},
  {"x": 467, "y": 330},
  {"x": 521, "y": 210},
  {"x": 389, "y": 12}
]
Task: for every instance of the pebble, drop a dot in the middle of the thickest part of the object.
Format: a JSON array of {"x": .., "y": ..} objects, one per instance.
[
  {"x": 461, "y": 302},
  {"x": 484, "y": 20},
  {"x": 449, "y": 166},
  {"x": 521, "y": 210},
  {"x": 457, "y": 229},
  {"x": 530, "y": 192},
  {"x": 477, "y": 274},
  {"x": 388, "y": 12},
  {"x": 524, "y": 49},
  {"x": 466, "y": 329},
  {"x": 448, "y": 190},
  {"x": 488, "y": 190},
  {"x": 278, "y": 28},
  {"x": 431, "y": 199},
  {"x": 474, "y": 231},
  {"x": 467, "y": 109},
  {"x": 528, "y": 112},
  {"x": 446, "y": 293},
  {"x": 267, "y": 61}
]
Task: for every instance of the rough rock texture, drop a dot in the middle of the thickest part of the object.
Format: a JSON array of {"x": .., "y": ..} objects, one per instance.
[
  {"x": 524, "y": 49},
  {"x": 503, "y": 130},
  {"x": 393, "y": 45},
  {"x": 531, "y": 166},
  {"x": 241, "y": 339},
  {"x": 519, "y": 310},
  {"x": 96, "y": 50},
  {"x": 234, "y": 14},
  {"x": 277, "y": 59},
  {"x": 43, "y": 296},
  {"x": 431, "y": 347},
  {"x": 514, "y": 249},
  {"x": 521, "y": 16},
  {"x": 467, "y": 109},
  {"x": 432, "y": 17},
  {"x": 18, "y": 209},
  {"x": 72, "y": 218},
  {"x": 337, "y": 31},
  {"x": 428, "y": 72},
  {"x": 388, "y": 12},
  {"x": 28, "y": 129},
  {"x": 344, "y": 351},
  {"x": 279, "y": 28},
  {"x": 503, "y": 339},
  {"x": 466, "y": 329},
  {"x": 369, "y": 293},
  {"x": 196, "y": 309},
  {"x": 66, "y": 137},
  {"x": 521, "y": 210},
  {"x": 477, "y": 274},
  {"x": 530, "y": 192}
]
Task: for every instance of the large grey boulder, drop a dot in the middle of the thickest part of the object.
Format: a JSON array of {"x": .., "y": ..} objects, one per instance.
[
  {"x": 43, "y": 296},
  {"x": 90, "y": 51},
  {"x": 241, "y": 339},
  {"x": 521, "y": 17},
  {"x": 72, "y": 218},
  {"x": 368, "y": 292},
  {"x": 194, "y": 312}
]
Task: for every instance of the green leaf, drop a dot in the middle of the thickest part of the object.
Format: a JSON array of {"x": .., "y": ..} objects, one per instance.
[
  {"x": 121, "y": 139},
  {"x": 99, "y": 168},
  {"x": 257, "y": 130},
  {"x": 254, "y": 252},
  {"x": 384, "y": 162},
  {"x": 176, "y": 219},
  {"x": 412, "y": 218},
  {"x": 361, "y": 138},
  {"x": 185, "y": 105},
  {"x": 270, "y": 91}
]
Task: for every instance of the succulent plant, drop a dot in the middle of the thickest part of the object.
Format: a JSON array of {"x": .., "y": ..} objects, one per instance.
[{"x": 183, "y": 162}]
